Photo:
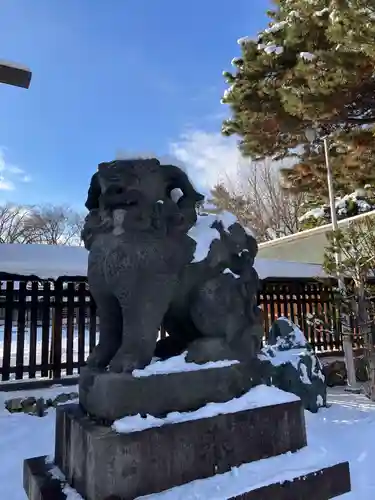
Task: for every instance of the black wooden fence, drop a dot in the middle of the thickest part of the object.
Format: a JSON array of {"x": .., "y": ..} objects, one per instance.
[{"x": 48, "y": 328}]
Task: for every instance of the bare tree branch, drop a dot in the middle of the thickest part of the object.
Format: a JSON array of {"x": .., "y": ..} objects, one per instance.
[
  {"x": 16, "y": 225},
  {"x": 49, "y": 225},
  {"x": 57, "y": 225},
  {"x": 259, "y": 201}
]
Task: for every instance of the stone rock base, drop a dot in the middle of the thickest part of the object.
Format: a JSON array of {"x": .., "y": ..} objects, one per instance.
[
  {"x": 335, "y": 370},
  {"x": 304, "y": 378},
  {"x": 111, "y": 396},
  {"x": 99, "y": 462},
  {"x": 296, "y": 367},
  {"x": 322, "y": 484}
]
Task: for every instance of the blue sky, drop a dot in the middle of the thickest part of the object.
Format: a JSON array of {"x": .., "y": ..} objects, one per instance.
[{"x": 115, "y": 75}]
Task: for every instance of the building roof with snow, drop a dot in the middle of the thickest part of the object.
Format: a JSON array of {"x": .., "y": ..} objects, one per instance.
[
  {"x": 306, "y": 246},
  {"x": 54, "y": 261}
]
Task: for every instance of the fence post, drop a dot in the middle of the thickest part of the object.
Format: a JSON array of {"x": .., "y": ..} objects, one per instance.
[
  {"x": 46, "y": 328},
  {"x": 82, "y": 306},
  {"x": 21, "y": 324},
  {"x": 56, "y": 351},
  {"x": 8, "y": 330},
  {"x": 33, "y": 328},
  {"x": 70, "y": 290}
]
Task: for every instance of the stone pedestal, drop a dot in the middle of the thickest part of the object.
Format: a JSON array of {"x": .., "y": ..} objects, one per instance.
[
  {"x": 323, "y": 484},
  {"x": 98, "y": 462},
  {"x": 101, "y": 464},
  {"x": 111, "y": 396}
]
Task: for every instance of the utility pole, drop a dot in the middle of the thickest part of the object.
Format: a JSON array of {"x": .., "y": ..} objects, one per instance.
[
  {"x": 15, "y": 74},
  {"x": 347, "y": 337},
  {"x": 347, "y": 340}
]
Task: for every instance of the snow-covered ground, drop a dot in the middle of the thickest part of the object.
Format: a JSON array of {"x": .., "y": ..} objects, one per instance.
[{"x": 345, "y": 431}]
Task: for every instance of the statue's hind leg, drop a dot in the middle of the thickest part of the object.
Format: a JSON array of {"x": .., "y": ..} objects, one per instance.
[{"x": 110, "y": 317}]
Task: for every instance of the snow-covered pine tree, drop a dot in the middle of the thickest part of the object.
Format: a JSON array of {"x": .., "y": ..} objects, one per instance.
[
  {"x": 313, "y": 66},
  {"x": 359, "y": 202}
]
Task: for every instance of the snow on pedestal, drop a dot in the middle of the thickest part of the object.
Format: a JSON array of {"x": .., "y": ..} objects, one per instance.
[
  {"x": 165, "y": 452},
  {"x": 178, "y": 364},
  {"x": 257, "y": 397},
  {"x": 249, "y": 477}
]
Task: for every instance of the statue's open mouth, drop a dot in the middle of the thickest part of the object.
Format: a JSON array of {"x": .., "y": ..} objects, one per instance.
[
  {"x": 121, "y": 204},
  {"x": 121, "y": 200},
  {"x": 127, "y": 204}
]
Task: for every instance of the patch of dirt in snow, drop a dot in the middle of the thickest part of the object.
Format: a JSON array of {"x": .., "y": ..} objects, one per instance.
[
  {"x": 345, "y": 431},
  {"x": 49, "y": 393}
]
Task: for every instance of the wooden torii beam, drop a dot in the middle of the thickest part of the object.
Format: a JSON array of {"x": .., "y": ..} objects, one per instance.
[{"x": 15, "y": 74}]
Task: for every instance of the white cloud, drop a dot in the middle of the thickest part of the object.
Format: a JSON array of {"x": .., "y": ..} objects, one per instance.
[
  {"x": 15, "y": 170},
  {"x": 209, "y": 158},
  {"x": 10, "y": 174},
  {"x": 6, "y": 185}
]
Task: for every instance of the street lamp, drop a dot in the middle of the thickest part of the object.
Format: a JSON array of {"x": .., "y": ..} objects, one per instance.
[
  {"x": 311, "y": 136},
  {"x": 15, "y": 74}
]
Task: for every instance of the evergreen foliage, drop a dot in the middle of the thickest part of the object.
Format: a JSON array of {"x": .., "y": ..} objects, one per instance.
[
  {"x": 314, "y": 66},
  {"x": 356, "y": 245}
]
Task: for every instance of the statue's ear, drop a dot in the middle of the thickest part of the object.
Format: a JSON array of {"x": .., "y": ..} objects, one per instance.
[
  {"x": 178, "y": 179},
  {"x": 92, "y": 201}
]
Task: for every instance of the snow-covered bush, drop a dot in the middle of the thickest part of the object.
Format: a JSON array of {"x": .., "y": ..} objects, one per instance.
[{"x": 295, "y": 366}]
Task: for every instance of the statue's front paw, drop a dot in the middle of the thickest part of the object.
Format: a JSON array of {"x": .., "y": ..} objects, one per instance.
[
  {"x": 100, "y": 356},
  {"x": 124, "y": 363},
  {"x": 95, "y": 362}
]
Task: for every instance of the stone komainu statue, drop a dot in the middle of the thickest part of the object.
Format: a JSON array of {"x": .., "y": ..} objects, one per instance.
[{"x": 141, "y": 271}]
